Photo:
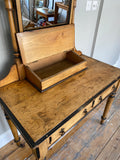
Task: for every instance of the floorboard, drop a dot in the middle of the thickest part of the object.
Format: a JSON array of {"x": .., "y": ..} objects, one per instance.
[{"x": 112, "y": 150}]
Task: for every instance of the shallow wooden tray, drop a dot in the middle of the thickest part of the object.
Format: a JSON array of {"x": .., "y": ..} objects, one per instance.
[{"x": 51, "y": 70}]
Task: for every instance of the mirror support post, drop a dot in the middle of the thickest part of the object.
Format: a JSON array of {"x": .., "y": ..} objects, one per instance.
[
  {"x": 18, "y": 6},
  {"x": 9, "y": 7},
  {"x": 73, "y": 6}
]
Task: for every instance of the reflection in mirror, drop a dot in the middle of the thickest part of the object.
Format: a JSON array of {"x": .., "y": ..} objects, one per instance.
[{"x": 44, "y": 13}]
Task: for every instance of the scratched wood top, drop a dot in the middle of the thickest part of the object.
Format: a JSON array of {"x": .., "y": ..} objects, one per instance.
[{"x": 39, "y": 112}]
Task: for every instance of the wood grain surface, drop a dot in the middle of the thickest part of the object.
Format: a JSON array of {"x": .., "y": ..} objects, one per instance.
[
  {"x": 38, "y": 44},
  {"x": 11, "y": 77},
  {"x": 39, "y": 112},
  {"x": 87, "y": 140},
  {"x": 61, "y": 67}
]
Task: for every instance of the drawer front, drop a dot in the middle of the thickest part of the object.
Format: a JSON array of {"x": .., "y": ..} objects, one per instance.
[{"x": 64, "y": 128}]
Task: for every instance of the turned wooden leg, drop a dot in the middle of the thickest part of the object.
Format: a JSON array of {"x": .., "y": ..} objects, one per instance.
[
  {"x": 41, "y": 151},
  {"x": 14, "y": 131},
  {"x": 107, "y": 107},
  {"x": 109, "y": 103}
]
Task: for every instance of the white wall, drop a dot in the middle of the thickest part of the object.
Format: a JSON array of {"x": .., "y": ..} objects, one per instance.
[
  {"x": 107, "y": 48},
  {"x": 85, "y": 23}
]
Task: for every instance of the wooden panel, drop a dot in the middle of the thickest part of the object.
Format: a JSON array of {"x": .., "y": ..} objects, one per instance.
[
  {"x": 39, "y": 112},
  {"x": 62, "y": 75},
  {"x": 20, "y": 68},
  {"x": 11, "y": 77},
  {"x": 47, "y": 61},
  {"x": 38, "y": 44}
]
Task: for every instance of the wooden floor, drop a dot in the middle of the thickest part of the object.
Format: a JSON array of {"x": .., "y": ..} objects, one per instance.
[{"x": 91, "y": 141}]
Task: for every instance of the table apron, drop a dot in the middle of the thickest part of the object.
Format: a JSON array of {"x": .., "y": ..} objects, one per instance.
[{"x": 83, "y": 112}]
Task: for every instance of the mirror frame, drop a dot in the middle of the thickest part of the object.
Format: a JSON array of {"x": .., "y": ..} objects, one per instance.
[{"x": 20, "y": 23}]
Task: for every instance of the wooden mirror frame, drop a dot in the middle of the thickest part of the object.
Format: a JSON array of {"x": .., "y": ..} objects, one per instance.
[{"x": 20, "y": 23}]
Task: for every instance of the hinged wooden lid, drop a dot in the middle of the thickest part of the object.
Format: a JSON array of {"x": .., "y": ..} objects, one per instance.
[{"x": 39, "y": 44}]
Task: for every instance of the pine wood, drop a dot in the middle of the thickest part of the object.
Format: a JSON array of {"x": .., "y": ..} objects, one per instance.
[
  {"x": 90, "y": 140},
  {"x": 78, "y": 52},
  {"x": 107, "y": 109},
  {"x": 37, "y": 111},
  {"x": 109, "y": 103},
  {"x": 40, "y": 44},
  {"x": 47, "y": 49},
  {"x": 19, "y": 14},
  {"x": 80, "y": 134},
  {"x": 80, "y": 115},
  {"x": 62, "y": 142},
  {"x": 11, "y": 77},
  {"x": 9, "y": 7},
  {"x": 73, "y": 5},
  {"x": 60, "y": 66},
  {"x": 61, "y": 100},
  {"x": 20, "y": 68}
]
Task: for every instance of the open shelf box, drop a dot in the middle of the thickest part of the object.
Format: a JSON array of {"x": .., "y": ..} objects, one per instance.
[{"x": 51, "y": 60}]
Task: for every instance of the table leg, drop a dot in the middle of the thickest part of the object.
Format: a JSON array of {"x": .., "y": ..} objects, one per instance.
[
  {"x": 109, "y": 104},
  {"x": 107, "y": 107},
  {"x": 41, "y": 151},
  {"x": 56, "y": 14},
  {"x": 14, "y": 131}
]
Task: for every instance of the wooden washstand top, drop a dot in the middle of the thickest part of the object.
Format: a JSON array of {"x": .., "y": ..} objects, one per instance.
[{"x": 37, "y": 114}]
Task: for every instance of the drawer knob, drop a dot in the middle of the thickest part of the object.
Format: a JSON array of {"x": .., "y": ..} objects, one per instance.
[
  {"x": 114, "y": 88},
  {"x": 100, "y": 98},
  {"x": 85, "y": 111},
  {"x": 62, "y": 132}
]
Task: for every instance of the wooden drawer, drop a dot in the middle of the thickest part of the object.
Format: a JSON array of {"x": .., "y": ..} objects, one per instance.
[{"x": 82, "y": 112}]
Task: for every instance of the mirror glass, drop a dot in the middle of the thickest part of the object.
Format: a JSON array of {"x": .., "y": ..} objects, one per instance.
[{"x": 44, "y": 13}]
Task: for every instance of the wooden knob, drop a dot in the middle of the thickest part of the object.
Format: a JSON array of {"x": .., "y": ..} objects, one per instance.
[
  {"x": 100, "y": 98},
  {"x": 62, "y": 132},
  {"x": 85, "y": 111}
]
